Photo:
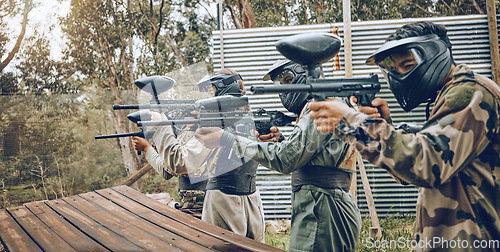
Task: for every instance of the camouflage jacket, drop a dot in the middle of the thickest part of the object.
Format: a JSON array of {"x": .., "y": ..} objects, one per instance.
[{"x": 454, "y": 160}]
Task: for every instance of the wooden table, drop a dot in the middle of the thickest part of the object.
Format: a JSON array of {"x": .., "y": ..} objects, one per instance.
[{"x": 113, "y": 219}]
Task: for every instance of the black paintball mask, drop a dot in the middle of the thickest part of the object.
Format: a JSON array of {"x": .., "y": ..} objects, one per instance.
[
  {"x": 414, "y": 68},
  {"x": 287, "y": 72},
  {"x": 223, "y": 83}
]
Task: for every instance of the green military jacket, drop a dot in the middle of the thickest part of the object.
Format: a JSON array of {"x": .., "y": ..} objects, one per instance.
[
  {"x": 297, "y": 150},
  {"x": 454, "y": 160}
]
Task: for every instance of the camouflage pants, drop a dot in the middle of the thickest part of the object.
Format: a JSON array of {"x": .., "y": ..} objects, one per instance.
[
  {"x": 192, "y": 199},
  {"x": 324, "y": 220}
]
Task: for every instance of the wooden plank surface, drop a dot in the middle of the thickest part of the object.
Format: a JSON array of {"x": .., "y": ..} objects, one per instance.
[
  {"x": 132, "y": 226},
  {"x": 84, "y": 223},
  {"x": 38, "y": 231},
  {"x": 65, "y": 229},
  {"x": 13, "y": 236},
  {"x": 113, "y": 219},
  {"x": 239, "y": 242},
  {"x": 163, "y": 221}
]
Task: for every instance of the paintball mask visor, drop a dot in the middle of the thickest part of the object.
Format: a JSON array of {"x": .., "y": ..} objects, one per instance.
[
  {"x": 287, "y": 75},
  {"x": 399, "y": 58},
  {"x": 400, "y": 62},
  {"x": 219, "y": 81}
]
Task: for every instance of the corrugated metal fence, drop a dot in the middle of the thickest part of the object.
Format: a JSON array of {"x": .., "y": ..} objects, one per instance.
[{"x": 252, "y": 51}]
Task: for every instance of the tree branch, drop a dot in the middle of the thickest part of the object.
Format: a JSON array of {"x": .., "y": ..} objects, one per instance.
[
  {"x": 426, "y": 11},
  {"x": 9, "y": 9},
  {"x": 477, "y": 7},
  {"x": 235, "y": 18},
  {"x": 28, "y": 6},
  {"x": 160, "y": 22},
  {"x": 248, "y": 15}
]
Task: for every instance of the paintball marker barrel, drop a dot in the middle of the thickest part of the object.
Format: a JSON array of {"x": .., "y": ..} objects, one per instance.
[
  {"x": 261, "y": 120},
  {"x": 364, "y": 89},
  {"x": 157, "y": 107},
  {"x": 146, "y": 134},
  {"x": 219, "y": 119}
]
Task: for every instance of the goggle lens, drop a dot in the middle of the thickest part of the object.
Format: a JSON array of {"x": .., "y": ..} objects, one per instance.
[
  {"x": 401, "y": 62},
  {"x": 285, "y": 77}
]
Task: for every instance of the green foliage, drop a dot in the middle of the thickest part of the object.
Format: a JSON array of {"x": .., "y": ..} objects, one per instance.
[
  {"x": 301, "y": 12},
  {"x": 280, "y": 240},
  {"x": 8, "y": 83},
  {"x": 39, "y": 72},
  {"x": 272, "y": 13},
  {"x": 48, "y": 147},
  {"x": 318, "y": 12},
  {"x": 174, "y": 35},
  {"x": 97, "y": 33},
  {"x": 154, "y": 183}
]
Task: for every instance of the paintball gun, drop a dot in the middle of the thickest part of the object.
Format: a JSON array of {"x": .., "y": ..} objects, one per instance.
[
  {"x": 311, "y": 50},
  {"x": 220, "y": 111},
  {"x": 265, "y": 119},
  {"x": 135, "y": 118},
  {"x": 156, "y": 85}
]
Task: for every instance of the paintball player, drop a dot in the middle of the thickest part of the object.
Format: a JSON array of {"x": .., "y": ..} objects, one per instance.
[
  {"x": 232, "y": 200},
  {"x": 192, "y": 195},
  {"x": 324, "y": 214},
  {"x": 454, "y": 158}
]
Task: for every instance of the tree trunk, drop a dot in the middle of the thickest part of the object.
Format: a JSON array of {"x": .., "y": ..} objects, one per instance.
[
  {"x": 234, "y": 15},
  {"x": 119, "y": 118},
  {"x": 28, "y": 6},
  {"x": 247, "y": 14},
  {"x": 242, "y": 14},
  {"x": 125, "y": 145}
]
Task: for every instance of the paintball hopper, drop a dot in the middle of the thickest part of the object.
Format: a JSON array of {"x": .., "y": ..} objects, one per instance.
[
  {"x": 310, "y": 48},
  {"x": 155, "y": 84},
  {"x": 141, "y": 115}
]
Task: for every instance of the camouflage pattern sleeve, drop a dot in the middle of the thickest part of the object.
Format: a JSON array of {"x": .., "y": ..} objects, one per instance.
[
  {"x": 459, "y": 130},
  {"x": 286, "y": 156},
  {"x": 454, "y": 160}
]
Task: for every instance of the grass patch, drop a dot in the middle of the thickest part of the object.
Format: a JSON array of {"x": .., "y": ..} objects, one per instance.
[
  {"x": 280, "y": 241},
  {"x": 394, "y": 228}
]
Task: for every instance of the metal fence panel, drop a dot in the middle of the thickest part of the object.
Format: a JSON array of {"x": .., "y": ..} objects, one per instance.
[{"x": 251, "y": 52}]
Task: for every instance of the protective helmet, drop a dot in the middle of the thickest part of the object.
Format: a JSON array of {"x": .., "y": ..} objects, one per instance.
[
  {"x": 285, "y": 72},
  {"x": 414, "y": 67},
  {"x": 223, "y": 83}
]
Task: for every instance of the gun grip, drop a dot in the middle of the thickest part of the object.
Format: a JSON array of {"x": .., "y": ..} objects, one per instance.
[
  {"x": 366, "y": 100},
  {"x": 263, "y": 128},
  {"x": 264, "y": 131}
]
